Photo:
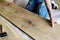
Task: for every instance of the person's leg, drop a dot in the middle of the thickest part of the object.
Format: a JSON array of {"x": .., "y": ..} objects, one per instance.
[
  {"x": 30, "y": 5},
  {"x": 43, "y": 11}
]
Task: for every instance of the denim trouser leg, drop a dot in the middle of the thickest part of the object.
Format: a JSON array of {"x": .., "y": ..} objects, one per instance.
[
  {"x": 31, "y": 5},
  {"x": 43, "y": 11}
]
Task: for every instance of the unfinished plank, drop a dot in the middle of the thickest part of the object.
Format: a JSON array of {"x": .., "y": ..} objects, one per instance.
[
  {"x": 31, "y": 23},
  {"x": 12, "y": 33}
]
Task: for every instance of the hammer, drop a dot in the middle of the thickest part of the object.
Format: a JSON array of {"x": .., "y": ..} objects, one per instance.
[{"x": 2, "y": 33}]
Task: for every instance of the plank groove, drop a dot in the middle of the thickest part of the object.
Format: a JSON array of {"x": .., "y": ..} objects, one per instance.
[{"x": 12, "y": 33}]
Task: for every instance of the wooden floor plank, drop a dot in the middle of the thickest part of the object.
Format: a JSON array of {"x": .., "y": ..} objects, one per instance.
[
  {"x": 31, "y": 23},
  {"x": 12, "y": 33}
]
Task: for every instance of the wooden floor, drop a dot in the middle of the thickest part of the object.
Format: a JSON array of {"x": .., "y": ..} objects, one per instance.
[
  {"x": 12, "y": 34},
  {"x": 32, "y": 24}
]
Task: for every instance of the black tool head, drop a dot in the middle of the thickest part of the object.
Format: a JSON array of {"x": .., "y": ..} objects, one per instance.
[{"x": 3, "y": 34}]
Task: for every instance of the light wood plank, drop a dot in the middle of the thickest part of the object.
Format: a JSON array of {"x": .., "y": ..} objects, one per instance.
[
  {"x": 12, "y": 33},
  {"x": 31, "y": 23}
]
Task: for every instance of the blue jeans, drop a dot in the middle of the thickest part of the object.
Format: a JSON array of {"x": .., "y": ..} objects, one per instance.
[
  {"x": 41, "y": 8},
  {"x": 43, "y": 12}
]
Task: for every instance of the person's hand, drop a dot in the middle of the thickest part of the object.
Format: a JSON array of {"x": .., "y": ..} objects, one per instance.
[{"x": 52, "y": 21}]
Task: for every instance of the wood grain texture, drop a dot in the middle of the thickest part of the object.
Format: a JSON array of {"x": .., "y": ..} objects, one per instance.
[
  {"x": 12, "y": 34},
  {"x": 31, "y": 23}
]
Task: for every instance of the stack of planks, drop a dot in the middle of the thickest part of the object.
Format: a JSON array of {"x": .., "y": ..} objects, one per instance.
[{"x": 32, "y": 24}]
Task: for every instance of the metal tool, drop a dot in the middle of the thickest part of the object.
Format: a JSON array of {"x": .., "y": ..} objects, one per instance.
[{"x": 2, "y": 33}]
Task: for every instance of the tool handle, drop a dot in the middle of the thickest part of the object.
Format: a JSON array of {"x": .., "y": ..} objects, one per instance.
[{"x": 0, "y": 28}]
